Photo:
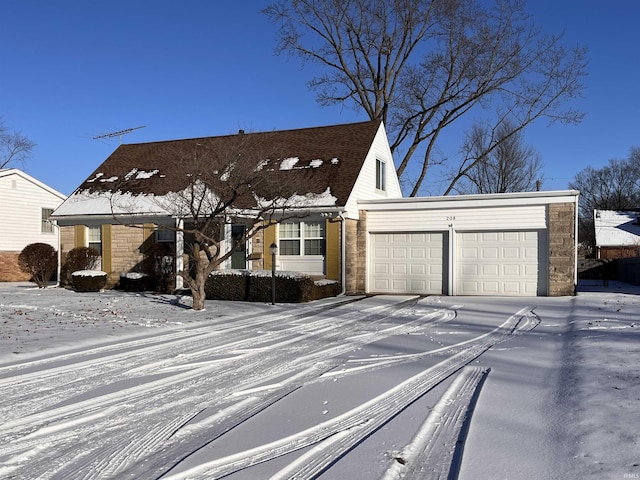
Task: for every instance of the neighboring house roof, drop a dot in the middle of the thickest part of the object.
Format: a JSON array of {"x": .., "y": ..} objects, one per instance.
[
  {"x": 616, "y": 228},
  {"x": 7, "y": 172},
  {"x": 323, "y": 160}
]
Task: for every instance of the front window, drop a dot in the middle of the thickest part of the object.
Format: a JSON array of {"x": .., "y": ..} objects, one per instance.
[
  {"x": 94, "y": 238},
  {"x": 165, "y": 235},
  {"x": 302, "y": 238},
  {"x": 47, "y": 226},
  {"x": 381, "y": 175}
]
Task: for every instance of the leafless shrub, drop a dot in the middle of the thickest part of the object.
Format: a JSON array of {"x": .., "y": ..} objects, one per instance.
[
  {"x": 40, "y": 260},
  {"x": 80, "y": 258}
]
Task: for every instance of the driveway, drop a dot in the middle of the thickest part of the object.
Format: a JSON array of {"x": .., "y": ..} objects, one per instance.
[{"x": 348, "y": 388}]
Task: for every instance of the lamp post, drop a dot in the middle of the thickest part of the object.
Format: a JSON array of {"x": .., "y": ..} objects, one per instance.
[{"x": 273, "y": 249}]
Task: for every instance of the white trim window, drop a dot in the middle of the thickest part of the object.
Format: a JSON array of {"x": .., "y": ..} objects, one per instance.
[
  {"x": 94, "y": 238},
  {"x": 302, "y": 238},
  {"x": 47, "y": 226},
  {"x": 381, "y": 175}
]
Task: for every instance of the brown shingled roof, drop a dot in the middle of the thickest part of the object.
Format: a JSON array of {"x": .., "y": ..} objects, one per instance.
[{"x": 328, "y": 157}]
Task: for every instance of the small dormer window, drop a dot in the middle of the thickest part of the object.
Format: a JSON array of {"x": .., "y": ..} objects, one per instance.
[{"x": 381, "y": 175}]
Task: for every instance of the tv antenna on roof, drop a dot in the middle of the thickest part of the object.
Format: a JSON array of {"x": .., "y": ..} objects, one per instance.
[{"x": 119, "y": 133}]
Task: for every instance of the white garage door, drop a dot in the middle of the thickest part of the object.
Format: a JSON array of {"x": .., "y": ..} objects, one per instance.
[
  {"x": 498, "y": 263},
  {"x": 406, "y": 263}
]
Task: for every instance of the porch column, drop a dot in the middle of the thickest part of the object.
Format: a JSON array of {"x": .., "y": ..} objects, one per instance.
[{"x": 179, "y": 251}]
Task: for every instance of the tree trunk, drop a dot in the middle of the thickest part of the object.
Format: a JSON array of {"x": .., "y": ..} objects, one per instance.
[{"x": 198, "y": 294}]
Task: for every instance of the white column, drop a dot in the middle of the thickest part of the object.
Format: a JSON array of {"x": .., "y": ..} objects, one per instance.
[{"x": 179, "y": 251}]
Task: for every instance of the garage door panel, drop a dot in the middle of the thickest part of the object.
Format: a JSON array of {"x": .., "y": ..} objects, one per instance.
[
  {"x": 413, "y": 262},
  {"x": 498, "y": 263},
  {"x": 491, "y": 270},
  {"x": 469, "y": 252},
  {"x": 510, "y": 270},
  {"x": 419, "y": 269},
  {"x": 511, "y": 253},
  {"x": 399, "y": 253}
]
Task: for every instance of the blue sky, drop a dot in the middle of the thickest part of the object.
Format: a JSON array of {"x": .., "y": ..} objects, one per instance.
[{"x": 76, "y": 69}]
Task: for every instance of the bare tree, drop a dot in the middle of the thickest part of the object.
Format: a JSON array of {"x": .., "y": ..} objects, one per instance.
[
  {"x": 14, "y": 147},
  {"x": 421, "y": 65},
  {"x": 511, "y": 166},
  {"x": 206, "y": 184}
]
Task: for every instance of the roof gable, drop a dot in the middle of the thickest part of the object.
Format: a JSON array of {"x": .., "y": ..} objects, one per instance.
[{"x": 8, "y": 172}]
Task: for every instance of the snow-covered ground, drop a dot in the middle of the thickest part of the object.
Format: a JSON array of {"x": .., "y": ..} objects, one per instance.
[{"x": 121, "y": 385}]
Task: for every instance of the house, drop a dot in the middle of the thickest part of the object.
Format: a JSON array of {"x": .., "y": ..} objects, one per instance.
[
  {"x": 358, "y": 229},
  {"x": 25, "y": 207},
  {"x": 617, "y": 233}
]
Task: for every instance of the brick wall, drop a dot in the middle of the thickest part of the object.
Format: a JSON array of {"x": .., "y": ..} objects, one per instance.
[
  {"x": 561, "y": 249},
  {"x": 9, "y": 269}
]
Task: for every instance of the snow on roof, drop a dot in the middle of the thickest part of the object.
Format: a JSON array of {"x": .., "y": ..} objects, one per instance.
[
  {"x": 96, "y": 203},
  {"x": 616, "y": 228},
  {"x": 309, "y": 200}
]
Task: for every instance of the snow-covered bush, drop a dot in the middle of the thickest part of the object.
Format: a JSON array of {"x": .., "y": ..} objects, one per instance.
[
  {"x": 40, "y": 260},
  {"x": 135, "y": 282},
  {"x": 255, "y": 286},
  {"x": 88, "y": 280},
  {"x": 79, "y": 258}
]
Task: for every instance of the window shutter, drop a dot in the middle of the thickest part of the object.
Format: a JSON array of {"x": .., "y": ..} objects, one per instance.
[
  {"x": 332, "y": 258},
  {"x": 80, "y": 236},
  {"x": 106, "y": 248},
  {"x": 269, "y": 238}
]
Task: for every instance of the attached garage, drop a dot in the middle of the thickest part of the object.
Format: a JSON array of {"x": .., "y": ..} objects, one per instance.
[
  {"x": 405, "y": 262},
  {"x": 517, "y": 244}
]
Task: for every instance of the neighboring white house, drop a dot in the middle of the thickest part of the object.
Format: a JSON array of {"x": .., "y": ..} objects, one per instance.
[
  {"x": 617, "y": 233},
  {"x": 25, "y": 207}
]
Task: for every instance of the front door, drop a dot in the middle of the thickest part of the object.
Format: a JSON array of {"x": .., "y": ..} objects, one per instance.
[{"x": 239, "y": 257}]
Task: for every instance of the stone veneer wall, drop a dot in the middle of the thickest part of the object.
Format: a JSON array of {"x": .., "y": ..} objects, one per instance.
[
  {"x": 67, "y": 241},
  {"x": 562, "y": 252},
  {"x": 9, "y": 269},
  {"x": 356, "y": 255},
  {"x": 127, "y": 250}
]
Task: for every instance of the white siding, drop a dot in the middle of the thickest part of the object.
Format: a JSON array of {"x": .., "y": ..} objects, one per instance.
[
  {"x": 21, "y": 202},
  {"x": 365, "y": 185},
  {"x": 481, "y": 218}
]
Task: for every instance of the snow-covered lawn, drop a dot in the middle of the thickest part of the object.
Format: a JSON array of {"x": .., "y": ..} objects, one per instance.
[{"x": 121, "y": 385}]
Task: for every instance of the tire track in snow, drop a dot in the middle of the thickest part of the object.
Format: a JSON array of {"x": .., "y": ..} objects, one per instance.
[
  {"x": 140, "y": 395},
  {"x": 26, "y": 389},
  {"x": 340, "y": 434},
  {"x": 436, "y": 449}
]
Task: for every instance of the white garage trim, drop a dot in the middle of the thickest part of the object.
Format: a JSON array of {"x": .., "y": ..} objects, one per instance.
[
  {"x": 407, "y": 262},
  {"x": 501, "y": 263}
]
